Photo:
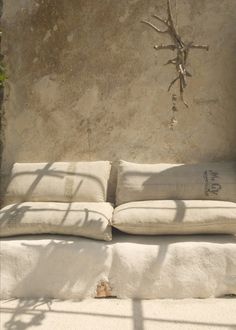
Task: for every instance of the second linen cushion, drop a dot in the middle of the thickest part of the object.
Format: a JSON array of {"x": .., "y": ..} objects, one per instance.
[{"x": 176, "y": 217}]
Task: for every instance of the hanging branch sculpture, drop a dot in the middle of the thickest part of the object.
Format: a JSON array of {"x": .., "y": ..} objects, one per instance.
[{"x": 182, "y": 48}]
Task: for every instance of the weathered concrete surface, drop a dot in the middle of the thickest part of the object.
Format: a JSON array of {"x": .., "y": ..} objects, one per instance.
[
  {"x": 86, "y": 83},
  {"x": 114, "y": 314}
]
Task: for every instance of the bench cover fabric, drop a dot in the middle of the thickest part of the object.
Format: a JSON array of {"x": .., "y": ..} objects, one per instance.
[
  {"x": 134, "y": 266},
  {"x": 58, "y": 182},
  {"x": 80, "y": 219},
  {"x": 209, "y": 181},
  {"x": 176, "y": 217}
]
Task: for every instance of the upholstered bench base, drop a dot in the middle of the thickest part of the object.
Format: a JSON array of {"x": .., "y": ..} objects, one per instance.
[{"x": 128, "y": 267}]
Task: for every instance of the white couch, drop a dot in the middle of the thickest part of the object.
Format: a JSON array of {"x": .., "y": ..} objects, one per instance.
[{"x": 141, "y": 264}]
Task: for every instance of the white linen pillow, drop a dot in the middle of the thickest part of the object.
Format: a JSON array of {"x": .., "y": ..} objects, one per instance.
[
  {"x": 58, "y": 182},
  {"x": 80, "y": 219},
  {"x": 209, "y": 181},
  {"x": 166, "y": 217}
]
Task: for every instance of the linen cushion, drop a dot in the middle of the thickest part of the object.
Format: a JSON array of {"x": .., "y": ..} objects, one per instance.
[
  {"x": 209, "y": 181},
  {"x": 176, "y": 217},
  {"x": 58, "y": 182},
  {"x": 79, "y": 219}
]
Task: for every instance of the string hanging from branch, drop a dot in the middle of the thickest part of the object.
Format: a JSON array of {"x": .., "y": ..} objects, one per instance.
[{"x": 182, "y": 50}]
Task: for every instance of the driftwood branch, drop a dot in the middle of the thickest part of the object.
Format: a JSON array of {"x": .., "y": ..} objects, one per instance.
[{"x": 182, "y": 49}]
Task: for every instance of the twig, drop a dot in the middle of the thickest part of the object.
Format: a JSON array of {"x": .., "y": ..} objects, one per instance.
[{"x": 154, "y": 27}]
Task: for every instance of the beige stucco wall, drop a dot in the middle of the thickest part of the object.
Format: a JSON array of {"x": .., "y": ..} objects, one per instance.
[{"x": 85, "y": 82}]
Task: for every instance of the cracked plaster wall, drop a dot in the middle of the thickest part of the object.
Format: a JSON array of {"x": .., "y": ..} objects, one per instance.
[{"x": 85, "y": 82}]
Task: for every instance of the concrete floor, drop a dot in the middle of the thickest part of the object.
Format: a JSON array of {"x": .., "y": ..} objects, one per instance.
[{"x": 106, "y": 314}]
